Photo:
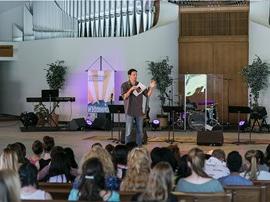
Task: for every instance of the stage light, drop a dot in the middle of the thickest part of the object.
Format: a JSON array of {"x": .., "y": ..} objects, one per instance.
[
  {"x": 155, "y": 124},
  {"x": 89, "y": 121},
  {"x": 242, "y": 125}
]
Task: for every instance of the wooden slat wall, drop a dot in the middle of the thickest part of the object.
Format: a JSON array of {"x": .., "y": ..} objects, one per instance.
[{"x": 217, "y": 43}]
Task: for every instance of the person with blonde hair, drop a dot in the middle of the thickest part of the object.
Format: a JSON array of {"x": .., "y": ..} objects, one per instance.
[
  {"x": 160, "y": 184},
  {"x": 112, "y": 182},
  {"x": 9, "y": 186},
  {"x": 198, "y": 181},
  {"x": 103, "y": 155},
  {"x": 138, "y": 170},
  {"x": 9, "y": 160},
  {"x": 252, "y": 168}
]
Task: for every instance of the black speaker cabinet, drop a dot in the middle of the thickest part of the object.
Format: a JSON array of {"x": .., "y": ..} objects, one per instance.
[
  {"x": 101, "y": 123},
  {"x": 77, "y": 124},
  {"x": 210, "y": 138}
]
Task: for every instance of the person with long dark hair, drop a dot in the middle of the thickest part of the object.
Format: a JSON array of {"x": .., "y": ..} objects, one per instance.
[
  {"x": 28, "y": 176},
  {"x": 92, "y": 184}
]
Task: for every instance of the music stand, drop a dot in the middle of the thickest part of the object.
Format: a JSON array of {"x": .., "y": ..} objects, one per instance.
[
  {"x": 116, "y": 109},
  {"x": 240, "y": 110},
  {"x": 172, "y": 110}
]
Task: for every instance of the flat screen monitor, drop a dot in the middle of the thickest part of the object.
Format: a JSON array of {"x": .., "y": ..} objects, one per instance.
[{"x": 49, "y": 93}]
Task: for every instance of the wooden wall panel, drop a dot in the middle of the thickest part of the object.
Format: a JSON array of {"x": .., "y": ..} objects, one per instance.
[{"x": 223, "y": 56}]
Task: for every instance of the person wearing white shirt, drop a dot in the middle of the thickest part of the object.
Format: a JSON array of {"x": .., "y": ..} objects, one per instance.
[{"x": 216, "y": 166}]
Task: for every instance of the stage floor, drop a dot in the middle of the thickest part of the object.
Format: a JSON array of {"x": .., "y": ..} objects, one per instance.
[{"x": 81, "y": 141}]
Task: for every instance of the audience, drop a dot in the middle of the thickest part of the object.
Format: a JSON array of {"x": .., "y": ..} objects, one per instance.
[
  {"x": 234, "y": 163},
  {"x": 138, "y": 170},
  {"x": 267, "y": 155},
  {"x": 109, "y": 148},
  {"x": 92, "y": 184},
  {"x": 28, "y": 176},
  {"x": 252, "y": 171},
  {"x": 183, "y": 169},
  {"x": 112, "y": 182},
  {"x": 159, "y": 186},
  {"x": 164, "y": 154},
  {"x": 72, "y": 164},
  {"x": 9, "y": 186},
  {"x": 215, "y": 166},
  {"x": 59, "y": 171},
  {"x": 99, "y": 174},
  {"x": 18, "y": 148},
  {"x": 37, "y": 148},
  {"x": 261, "y": 161},
  {"x": 120, "y": 154},
  {"x": 198, "y": 181},
  {"x": 48, "y": 144},
  {"x": 9, "y": 160}
]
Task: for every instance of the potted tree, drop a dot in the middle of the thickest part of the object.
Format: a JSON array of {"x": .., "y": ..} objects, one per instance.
[
  {"x": 55, "y": 76},
  {"x": 161, "y": 73},
  {"x": 256, "y": 76}
]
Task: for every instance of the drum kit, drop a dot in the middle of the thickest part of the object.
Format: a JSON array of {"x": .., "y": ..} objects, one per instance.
[{"x": 195, "y": 119}]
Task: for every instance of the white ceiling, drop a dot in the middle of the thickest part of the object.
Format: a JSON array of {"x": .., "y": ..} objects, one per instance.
[{"x": 6, "y": 5}]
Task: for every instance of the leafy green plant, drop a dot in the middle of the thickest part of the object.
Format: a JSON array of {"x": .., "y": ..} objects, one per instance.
[
  {"x": 41, "y": 111},
  {"x": 161, "y": 72},
  {"x": 256, "y": 76},
  {"x": 56, "y": 74}
]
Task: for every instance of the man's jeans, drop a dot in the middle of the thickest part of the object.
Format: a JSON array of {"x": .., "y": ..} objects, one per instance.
[{"x": 139, "y": 128}]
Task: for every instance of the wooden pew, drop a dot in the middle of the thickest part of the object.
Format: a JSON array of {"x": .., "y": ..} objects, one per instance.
[
  {"x": 188, "y": 197},
  {"x": 203, "y": 197},
  {"x": 247, "y": 193},
  {"x": 58, "y": 191},
  {"x": 126, "y": 195},
  {"x": 264, "y": 183}
]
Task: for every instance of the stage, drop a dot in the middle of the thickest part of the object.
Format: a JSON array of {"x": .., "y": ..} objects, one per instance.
[{"x": 81, "y": 141}]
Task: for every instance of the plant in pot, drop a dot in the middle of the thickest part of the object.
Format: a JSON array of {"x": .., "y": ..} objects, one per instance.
[
  {"x": 161, "y": 72},
  {"x": 256, "y": 76},
  {"x": 55, "y": 76},
  {"x": 42, "y": 113}
]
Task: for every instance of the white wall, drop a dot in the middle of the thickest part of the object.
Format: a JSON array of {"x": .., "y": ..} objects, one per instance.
[
  {"x": 259, "y": 43},
  {"x": 7, "y": 19},
  {"x": 26, "y": 76}
]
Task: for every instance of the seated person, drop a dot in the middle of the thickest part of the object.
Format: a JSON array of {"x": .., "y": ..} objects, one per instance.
[
  {"x": 92, "y": 184},
  {"x": 198, "y": 181},
  {"x": 28, "y": 175},
  {"x": 252, "y": 170},
  {"x": 215, "y": 166},
  {"x": 234, "y": 163},
  {"x": 159, "y": 185}
]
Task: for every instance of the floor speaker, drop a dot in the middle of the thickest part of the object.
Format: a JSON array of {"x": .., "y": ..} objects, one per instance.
[
  {"x": 101, "y": 123},
  {"x": 77, "y": 124},
  {"x": 210, "y": 138}
]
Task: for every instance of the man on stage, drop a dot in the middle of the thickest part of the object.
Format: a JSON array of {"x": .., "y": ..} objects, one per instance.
[{"x": 133, "y": 104}]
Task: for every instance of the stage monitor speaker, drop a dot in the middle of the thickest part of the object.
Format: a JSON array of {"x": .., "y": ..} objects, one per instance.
[
  {"x": 133, "y": 136},
  {"x": 101, "y": 123},
  {"x": 210, "y": 138},
  {"x": 77, "y": 124}
]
